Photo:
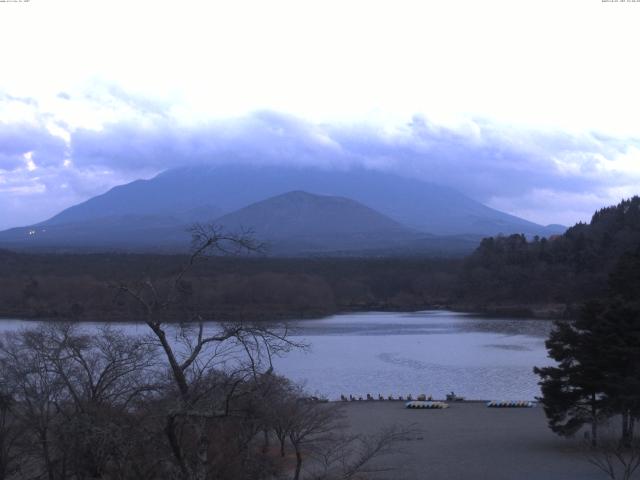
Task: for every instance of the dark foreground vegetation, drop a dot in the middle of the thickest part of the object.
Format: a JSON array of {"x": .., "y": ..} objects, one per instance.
[
  {"x": 568, "y": 269},
  {"x": 596, "y": 379},
  {"x": 186, "y": 401},
  {"x": 506, "y": 274},
  {"x": 111, "y": 406}
]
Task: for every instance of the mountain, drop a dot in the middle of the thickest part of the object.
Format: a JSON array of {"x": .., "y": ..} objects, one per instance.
[
  {"x": 124, "y": 232},
  {"x": 294, "y": 223},
  {"x": 298, "y": 220},
  {"x": 295, "y": 210},
  {"x": 291, "y": 223},
  {"x": 411, "y": 202}
]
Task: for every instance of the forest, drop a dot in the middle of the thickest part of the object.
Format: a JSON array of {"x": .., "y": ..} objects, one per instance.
[
  {"x": 81, "y": 286},
  {"x": 566, "y": 269},
  {"x": 504, "y": 275}
]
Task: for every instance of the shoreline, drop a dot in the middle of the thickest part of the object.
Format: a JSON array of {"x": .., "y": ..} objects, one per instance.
[{"x": 523, "y": 311}]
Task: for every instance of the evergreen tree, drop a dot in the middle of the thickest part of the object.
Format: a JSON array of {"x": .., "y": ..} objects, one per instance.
[
  {"x": 619, "y": 328},
  {"x": 573, "y": 391},
  {"x": 598, "y": 359}
]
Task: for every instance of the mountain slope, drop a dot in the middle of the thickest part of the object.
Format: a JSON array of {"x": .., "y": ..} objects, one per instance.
[
  {"x": 299, "y": 220},
  {"x": 121, "y": 232},
  {"x": 413, "y": 203},
  {"x": 295, "y": 223}
]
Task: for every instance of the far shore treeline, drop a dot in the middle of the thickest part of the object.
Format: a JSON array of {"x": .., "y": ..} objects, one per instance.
[{"x": 548, "y": 277}]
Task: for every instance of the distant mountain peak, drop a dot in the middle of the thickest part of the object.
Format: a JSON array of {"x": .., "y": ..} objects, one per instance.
[
  {"x": 303, "y": 214},
  {"x": 412, "y": 202},
  {"x": 320, "y": 207}
]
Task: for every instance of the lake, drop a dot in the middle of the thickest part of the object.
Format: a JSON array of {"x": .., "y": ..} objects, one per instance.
[{"x": 431, "y": 352}]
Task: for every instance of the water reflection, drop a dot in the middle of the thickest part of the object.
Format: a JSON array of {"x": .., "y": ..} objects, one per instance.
[{"x": 424, "y": 323}]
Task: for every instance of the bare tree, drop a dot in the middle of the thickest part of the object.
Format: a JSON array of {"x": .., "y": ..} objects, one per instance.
[
  {"x": 347, "y": 457},
  {"x": 197, "y": 349},
  {"x": 279, "y": 403},
  {"x": 73, "y": 396},
  {"x": 617, "y": 458},
  {"x": 109, "y": 368},
  {"x": 310, "y": 423},
  {"x": 10, "y": 434},
  {"x": 37, "y": 392},
  {"x": 102, "y": 375}
]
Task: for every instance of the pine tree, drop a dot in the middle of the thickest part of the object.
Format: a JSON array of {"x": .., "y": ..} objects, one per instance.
[
  {"x": 619, "y": 328},
  {"x": 573, "y": 391},
  {"x": 598, "y": 360}
]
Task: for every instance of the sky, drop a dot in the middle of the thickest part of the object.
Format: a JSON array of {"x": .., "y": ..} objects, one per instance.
[{"x": 531, "y": 107}]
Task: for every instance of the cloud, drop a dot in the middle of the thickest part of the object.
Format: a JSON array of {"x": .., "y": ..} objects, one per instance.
[
  {"x": 18, "y": 140},
  {"x": 547, "y": 176},
  {"x": 263, "y": 137},
  {"x": 483, "y": 159}
]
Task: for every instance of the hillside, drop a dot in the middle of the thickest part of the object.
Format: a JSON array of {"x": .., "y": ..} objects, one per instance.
[
  {"x": 130, "y": 232},
  {"x": 414, "y": 203},
  {"x": 568, "y": 268},
  {"x": 294, "y": 223},
  {"x": 297, "y": 211},
  {"x": 299, "y": 221}
]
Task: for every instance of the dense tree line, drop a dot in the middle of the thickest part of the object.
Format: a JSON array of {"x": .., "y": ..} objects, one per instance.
[
  {"x": 80, "y": 286},
  {"x": 511, "y": 273},
  {"x": 567, "y": 269}
]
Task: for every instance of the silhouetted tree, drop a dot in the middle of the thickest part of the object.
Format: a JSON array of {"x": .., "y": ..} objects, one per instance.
[
  {"x": 573, "y": 392},
  {"x": 598, "y": 355},
  {"x": 10, "y": 433},
  {"x": 197, "y": 350}
]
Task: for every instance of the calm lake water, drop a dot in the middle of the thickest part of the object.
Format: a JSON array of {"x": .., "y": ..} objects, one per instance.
[{"x": 432, "y": 352}]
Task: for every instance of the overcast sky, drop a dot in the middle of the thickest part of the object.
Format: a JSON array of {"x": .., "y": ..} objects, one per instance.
[{"x": 532, "y": 107}]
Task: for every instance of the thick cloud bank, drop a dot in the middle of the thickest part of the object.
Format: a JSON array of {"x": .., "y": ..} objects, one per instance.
[{"x": 47, "y": 164}]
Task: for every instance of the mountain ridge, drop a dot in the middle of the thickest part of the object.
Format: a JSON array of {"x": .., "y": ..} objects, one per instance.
[
  {"x": 319, "y": 222},
  {"x": 414, "y": 203},
  {"x": 372, "y": 212}
]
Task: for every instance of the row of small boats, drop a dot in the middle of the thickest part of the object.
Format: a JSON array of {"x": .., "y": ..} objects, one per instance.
[
  {"x": 417, "y": 404},
  {"x": 510, "y": 404},
  {"x": 352, "y": 398}
]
